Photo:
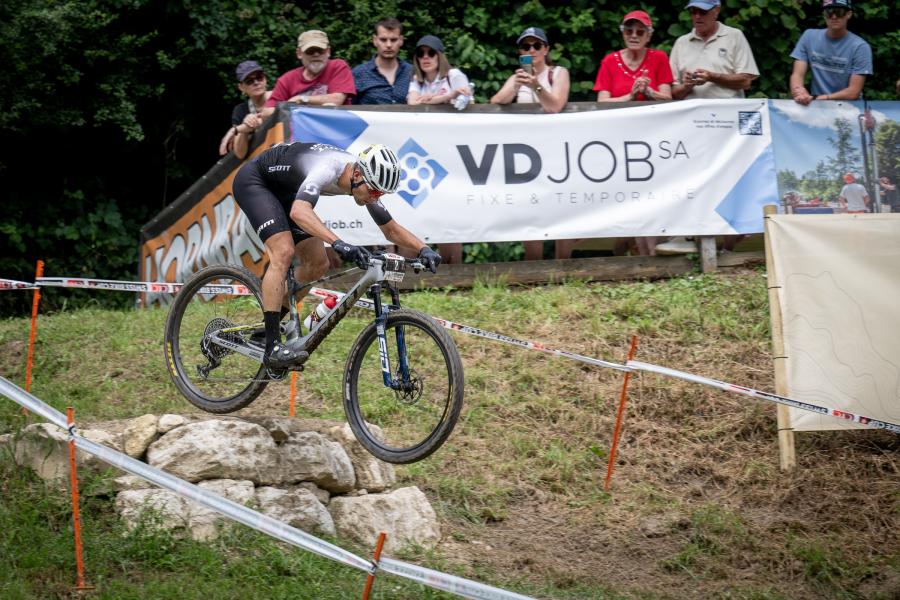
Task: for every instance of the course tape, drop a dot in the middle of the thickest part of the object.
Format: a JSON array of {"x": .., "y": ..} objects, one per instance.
[
  {"x": 490, "y": 335},
  {"x": 12, "y": 284},
  {"x": 158, "y": 287},
  {"x": 737, "y": 389},
  {"x": 249, "y": 517}
]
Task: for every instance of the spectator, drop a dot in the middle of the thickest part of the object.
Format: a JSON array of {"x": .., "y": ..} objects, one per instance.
[
  {"x": 713, "y": 60},
  {"x": 635, "y": 72},
  {"x": 854, "y": 197},
  {"x": 547, "y": 85},
  {"x": 320, "y": 80},
  {"x": 245, "y": 117},
  {"x": 839, "y": 60},
  {"x": 385, "y": 78},
  {"x": 434, "y": 81},
  {"x": 890, "y": 197}
]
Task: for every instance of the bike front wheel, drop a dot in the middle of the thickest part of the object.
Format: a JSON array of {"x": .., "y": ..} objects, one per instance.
[
  {"x": 409, "y": 420},
  {"x": 224, "y": 300}
]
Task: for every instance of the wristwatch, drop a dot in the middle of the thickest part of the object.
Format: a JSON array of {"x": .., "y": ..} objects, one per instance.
[
  {"x": 303, "y": 99},
  {"x": 539, "y": 88}
]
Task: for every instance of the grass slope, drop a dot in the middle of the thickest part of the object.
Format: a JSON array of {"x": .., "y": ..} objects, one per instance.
[{"x": 698, "y": 507}]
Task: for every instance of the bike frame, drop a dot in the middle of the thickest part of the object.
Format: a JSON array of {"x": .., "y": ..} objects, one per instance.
[{"x": 371, "y": 283}]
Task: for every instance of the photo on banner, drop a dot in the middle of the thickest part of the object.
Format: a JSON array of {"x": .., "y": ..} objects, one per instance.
[{"x": 816, "y": 148}]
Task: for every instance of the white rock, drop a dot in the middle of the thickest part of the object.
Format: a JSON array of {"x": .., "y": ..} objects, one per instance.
[
  {"x": 206, "y": 523},
  {"x": 138, "y": 434},
  {"x": 216, "y": 449},
  {"x": 155, "y": 507},
  {"x": 168, "y": 422},
  {"x": 405, "y": 515},
  {"x": 296, "y": 506},
  {"x": 371, "y": 474},
  {"x": 310, "y": 456},
  {"x": 44, "y": 448},
  {"x": 321, "y": 495}
]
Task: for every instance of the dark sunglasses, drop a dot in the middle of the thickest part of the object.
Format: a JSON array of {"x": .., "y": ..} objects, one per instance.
[
  {"x": 251, "y": 79},
  {"x": 840, "y": 13},
  {"x": 525, "y": 46},
  {"x": 314, "y": 51},
  {"x": 639, "y": 31},
  {"x": 373, "y": 193},
  {"x": 420, "y": 52}
]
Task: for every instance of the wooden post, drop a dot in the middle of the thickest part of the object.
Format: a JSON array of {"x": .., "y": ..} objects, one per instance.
[
  {"x": 708, "y": 263},
  {"x": 619, "y": 415},
  {"x": 787, "y": 454}
]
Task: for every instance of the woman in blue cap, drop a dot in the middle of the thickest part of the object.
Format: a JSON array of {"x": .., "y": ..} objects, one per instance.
[
  {"x": 547, "y": 84},
  {"x": 434, "y": 81},
  {"x": 245, "y": 117}
]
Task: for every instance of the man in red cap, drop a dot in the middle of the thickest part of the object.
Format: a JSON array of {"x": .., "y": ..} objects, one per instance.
[{"x": 854, "y": 197}]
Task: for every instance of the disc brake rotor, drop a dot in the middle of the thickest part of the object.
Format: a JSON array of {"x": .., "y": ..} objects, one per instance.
[{"x": 411, "y": 391}]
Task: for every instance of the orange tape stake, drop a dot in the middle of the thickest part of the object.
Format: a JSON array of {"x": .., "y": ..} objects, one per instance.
[
  {"x": 618, "y": 430},
  {"x": 292, "y": 412},
  {"x": 370, "y": 579},
  {"x": 39, "y": 272},
  {"x": 73, "y": 478}
]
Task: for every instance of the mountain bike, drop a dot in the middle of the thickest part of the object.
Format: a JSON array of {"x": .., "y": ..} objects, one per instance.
[{"x": 403, "y": 380}]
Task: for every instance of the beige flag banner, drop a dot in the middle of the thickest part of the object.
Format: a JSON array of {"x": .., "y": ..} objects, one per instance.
[{"x": 839, "y": 280}]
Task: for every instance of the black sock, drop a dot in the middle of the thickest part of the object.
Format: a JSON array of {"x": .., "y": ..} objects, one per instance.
[{"x": 272, "y": 319}]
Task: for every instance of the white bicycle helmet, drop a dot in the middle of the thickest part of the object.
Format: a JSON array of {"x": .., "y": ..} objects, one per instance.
[{"x": 380, "y": 168}]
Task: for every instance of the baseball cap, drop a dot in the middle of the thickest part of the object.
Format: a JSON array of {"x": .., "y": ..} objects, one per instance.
[
  {"x": 638, "y": 15},
  {"x": 837, "y": 4},
  {"x": 245, "y": 68},
  {"x": 703, "y": 4},
  {"x": 432, "y": 41},
  {"x": 312, "y": 39},
  {"x": 535, "y": 32}
]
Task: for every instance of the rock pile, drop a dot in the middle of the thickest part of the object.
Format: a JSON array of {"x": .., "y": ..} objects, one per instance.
[{"x": 311, "y": 474}]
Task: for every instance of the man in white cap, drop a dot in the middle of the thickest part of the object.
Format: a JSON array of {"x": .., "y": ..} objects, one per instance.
[
  {"x": 713, "y": 60},
  {"x": 320, "y": 80},
  {"x": 839, "y": 60}
]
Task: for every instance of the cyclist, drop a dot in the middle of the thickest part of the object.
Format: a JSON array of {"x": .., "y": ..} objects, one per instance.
[{"x": 278, "y": 191}]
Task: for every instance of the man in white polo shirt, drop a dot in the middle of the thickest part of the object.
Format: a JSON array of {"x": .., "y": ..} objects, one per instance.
[{"x": 713, "y": 60}]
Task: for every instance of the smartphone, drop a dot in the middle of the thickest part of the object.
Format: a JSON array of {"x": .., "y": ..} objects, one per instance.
[{"x": 525, "y": 63}]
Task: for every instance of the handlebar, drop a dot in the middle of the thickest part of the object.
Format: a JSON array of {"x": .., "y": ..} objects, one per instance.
[{"x": 378, "y": 258}]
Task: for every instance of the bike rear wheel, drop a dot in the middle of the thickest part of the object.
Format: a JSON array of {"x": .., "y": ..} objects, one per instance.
[
  {"x": 213, "y": 378},
  {"x": 407, "y": 424}
]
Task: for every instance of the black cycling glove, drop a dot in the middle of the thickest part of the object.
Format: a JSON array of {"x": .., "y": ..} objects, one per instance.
[
  {"x": 429, "y": 258},
  {"x": 356, "y": 254}
]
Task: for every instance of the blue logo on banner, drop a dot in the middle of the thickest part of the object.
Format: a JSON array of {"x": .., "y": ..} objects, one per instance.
[
  {"x": 420, "y": 174},
  {"x": 336, "y": 127},
  {"x": 743, "y": 206}
]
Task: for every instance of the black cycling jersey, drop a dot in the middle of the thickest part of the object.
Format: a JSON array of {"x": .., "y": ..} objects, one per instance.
[{"x": 266, "y": 187}]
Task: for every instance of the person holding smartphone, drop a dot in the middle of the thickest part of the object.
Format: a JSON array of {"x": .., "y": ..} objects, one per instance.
[{"x": 543, "y": 83}]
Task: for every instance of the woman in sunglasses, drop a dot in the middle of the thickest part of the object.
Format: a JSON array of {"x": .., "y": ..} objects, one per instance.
[
  {"x": 545, "y": 83},
  {"x": 635, "y": 72},
  {"x": 245, "y": 117},
  {"x": 434, "y": 81}
]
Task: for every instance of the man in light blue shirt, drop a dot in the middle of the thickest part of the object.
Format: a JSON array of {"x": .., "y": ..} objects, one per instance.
[{"x": 839, "y": 60}]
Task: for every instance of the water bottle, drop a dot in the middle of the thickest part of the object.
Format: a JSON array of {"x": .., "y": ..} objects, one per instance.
[
  {"x": 322, "y": 309},
  {"x": 462, "y": 101}
]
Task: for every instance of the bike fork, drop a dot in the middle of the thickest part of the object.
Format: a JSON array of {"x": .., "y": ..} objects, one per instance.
[{"x": 402, "y": 359}]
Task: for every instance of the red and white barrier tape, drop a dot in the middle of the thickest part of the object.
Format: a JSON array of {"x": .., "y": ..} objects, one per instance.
[
  {"x": 12, "y": 284},
  {"x": 737, "y": 389},
  {"x": 632, "y": 365}
]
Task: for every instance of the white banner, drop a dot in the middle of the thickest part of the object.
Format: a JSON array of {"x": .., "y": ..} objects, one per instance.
[{"x": 680, "y": 168}]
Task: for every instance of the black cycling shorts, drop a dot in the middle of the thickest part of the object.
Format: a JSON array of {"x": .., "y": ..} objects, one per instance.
[{"x": 268, "y": 214}]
